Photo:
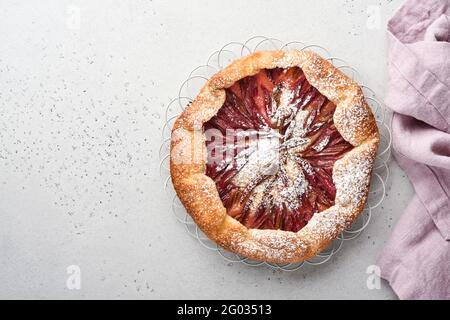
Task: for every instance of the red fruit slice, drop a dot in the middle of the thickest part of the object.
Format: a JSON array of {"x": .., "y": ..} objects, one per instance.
[{"x": 288, "y": 196}]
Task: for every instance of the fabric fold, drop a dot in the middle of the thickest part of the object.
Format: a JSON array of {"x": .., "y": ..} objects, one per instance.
[{"x": 412, "y": 272}]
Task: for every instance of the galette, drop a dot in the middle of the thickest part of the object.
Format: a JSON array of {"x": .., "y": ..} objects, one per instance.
[{"x": 273, "y": 158}]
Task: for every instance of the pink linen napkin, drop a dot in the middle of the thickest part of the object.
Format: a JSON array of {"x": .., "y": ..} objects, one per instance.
[{"x": 416, "y": 259}]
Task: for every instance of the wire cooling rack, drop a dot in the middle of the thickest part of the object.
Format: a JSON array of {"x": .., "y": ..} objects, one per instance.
[{"x": 191, "y": 87}]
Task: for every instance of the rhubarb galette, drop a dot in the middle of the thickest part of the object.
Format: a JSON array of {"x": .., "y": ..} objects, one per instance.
[{"x": 273, "y": 158}]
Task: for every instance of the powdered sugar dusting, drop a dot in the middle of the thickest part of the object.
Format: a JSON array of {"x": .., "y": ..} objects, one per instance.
[
  {"x": 269, "y": 155},
  {"x": 350, "y": 119},
  {"x": 273, "y": 245},
  {"x": 352, "y": 178},
  {"x": 327, "y": 224},
  {"x": 258, "y": 159},
  {"x": 322, "y": 144}
]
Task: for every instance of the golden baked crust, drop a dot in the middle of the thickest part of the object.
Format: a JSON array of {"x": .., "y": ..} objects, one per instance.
[{"x": 351, "y": 174}]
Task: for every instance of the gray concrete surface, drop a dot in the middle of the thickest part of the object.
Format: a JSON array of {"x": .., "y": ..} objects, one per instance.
[{"x": 83, "y": 89}]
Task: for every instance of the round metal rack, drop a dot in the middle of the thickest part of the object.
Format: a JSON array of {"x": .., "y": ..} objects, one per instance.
[{"x": 217, "y": 61}]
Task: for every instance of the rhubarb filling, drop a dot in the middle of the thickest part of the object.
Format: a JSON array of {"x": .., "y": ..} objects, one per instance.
[{"x": 271, "y": 149}]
